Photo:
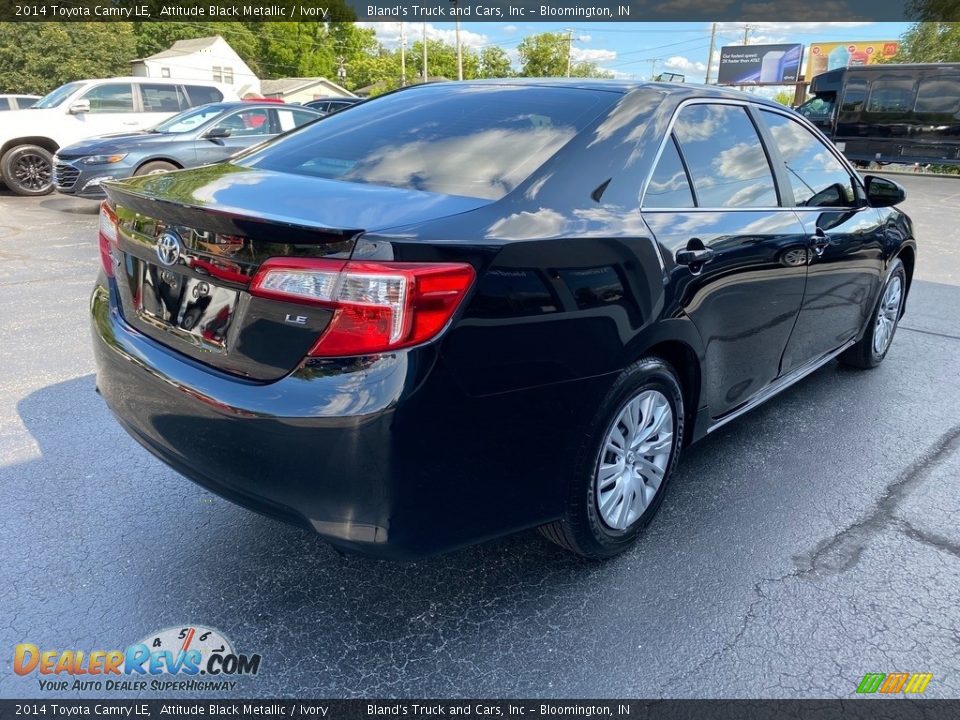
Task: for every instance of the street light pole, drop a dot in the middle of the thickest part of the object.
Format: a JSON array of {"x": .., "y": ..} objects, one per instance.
[
  {"x": 423, "y": 41},
  {"x": 403, "y": 54},
  {"x": 569, "y": 48},
  {"x": 713, "y": 40}
]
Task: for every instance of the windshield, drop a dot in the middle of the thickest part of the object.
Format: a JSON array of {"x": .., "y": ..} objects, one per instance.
[
  {"x": 470, "y": 140},
  {"x": 189, "y": 120},
  {"x": 816, "y": 107},
  {"x": 57, "y": 96}
]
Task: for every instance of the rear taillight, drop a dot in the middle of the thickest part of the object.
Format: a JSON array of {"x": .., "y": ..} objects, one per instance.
[
  {"x": 108, "y": 237},
  {"x": 378, "y": 307}
]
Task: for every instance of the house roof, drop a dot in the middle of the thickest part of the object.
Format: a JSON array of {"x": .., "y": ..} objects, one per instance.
[
  {"x": 186, "y": 47},
  {"x": 285, "y": 86}
]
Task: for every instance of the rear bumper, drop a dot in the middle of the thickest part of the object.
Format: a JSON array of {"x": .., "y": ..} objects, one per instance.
[{"x": 383, "y": 456}]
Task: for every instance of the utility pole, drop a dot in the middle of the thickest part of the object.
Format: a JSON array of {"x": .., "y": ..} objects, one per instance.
[
  {"x": 403, "y": 54},
  {"x": 423, "y": 41},
  {"x": 455, "y": 13},
  {"x": 569, "y": 49},
  {"x": 713, "y": 40},
  {"x": 746, "y": 34},
  {"x": 653, "y": 68}
]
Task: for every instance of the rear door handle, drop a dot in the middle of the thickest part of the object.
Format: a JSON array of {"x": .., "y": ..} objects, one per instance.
[
  {"x": 819, "y": 241},
  {"x": 694, "y": 256}
]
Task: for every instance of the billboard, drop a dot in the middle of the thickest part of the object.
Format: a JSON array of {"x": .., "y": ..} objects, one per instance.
[
  {"x": 832, "y": 55},
  {"x": 759, "y": 64}
]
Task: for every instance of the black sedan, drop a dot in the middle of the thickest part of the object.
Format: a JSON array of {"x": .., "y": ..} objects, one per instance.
[
  {"x": 466, "y": 309},
  {"x": 199, "y": 136}
]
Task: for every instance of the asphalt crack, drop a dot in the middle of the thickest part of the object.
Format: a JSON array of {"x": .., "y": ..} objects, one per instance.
[{"x": 843, "y": 550}]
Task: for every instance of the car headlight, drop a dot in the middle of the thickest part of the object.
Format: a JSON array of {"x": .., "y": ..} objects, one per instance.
[{"x": 103, "y": 159}]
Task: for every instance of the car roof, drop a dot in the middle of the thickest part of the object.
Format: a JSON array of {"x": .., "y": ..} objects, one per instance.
[
  {"x": 682, "y": 90},
  {"x": 20, "y": 95}
]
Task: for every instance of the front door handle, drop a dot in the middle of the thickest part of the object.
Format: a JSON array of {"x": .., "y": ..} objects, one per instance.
[{"x": 819, "y": 242}]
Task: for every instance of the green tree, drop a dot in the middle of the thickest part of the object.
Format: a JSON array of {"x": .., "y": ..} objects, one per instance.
[
  {"x": 547, "y": 55},
  {"x": 495, "y": 63},
  {"x": 784, "y": 97},
  {"x": 930, "y": 42},
  {"x": 38, "y": 57},
  {"x": 442, "y": 60}
]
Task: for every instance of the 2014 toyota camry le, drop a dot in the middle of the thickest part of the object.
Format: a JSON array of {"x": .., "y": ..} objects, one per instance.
[{"x": 465, "y": 309}]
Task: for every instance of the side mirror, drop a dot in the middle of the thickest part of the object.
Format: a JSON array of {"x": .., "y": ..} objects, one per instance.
[
  {"x": 80, "y": 107},
  {"x": 217, "y": 133},
  {"x": 882, "y": 192}
]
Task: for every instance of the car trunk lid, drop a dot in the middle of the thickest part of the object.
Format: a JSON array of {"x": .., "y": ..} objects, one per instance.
[{"x": 189, "y": 244}]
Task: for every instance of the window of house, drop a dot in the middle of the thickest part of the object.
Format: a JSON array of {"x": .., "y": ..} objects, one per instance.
[
  {"x": 217, "y": 73},
  {"x": 165, "y": 72},
  {"x": 228, "y": 75}
]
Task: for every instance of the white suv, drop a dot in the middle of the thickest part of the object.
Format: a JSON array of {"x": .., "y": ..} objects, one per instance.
[{"x": 89, "y": 108}]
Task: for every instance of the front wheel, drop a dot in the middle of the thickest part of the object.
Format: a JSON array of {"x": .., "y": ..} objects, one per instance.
[
  {"x": 28, "y": 170},
  {"x": 157, "y": 167},
  {"x": 873, "y": 346},
  {"x": 625, "y": 463}
]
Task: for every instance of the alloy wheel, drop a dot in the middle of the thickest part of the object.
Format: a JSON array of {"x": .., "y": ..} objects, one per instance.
[
  {"x": 887, "y": 315},
  {"x": 32, "y": 171},
  {"x": 634, "y": 459}
]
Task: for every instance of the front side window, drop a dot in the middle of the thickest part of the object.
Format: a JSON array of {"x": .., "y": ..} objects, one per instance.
[
  {"x": 247, "y": 122},
  {"x": 854, "y": 95},
  {"x": 474, "y": 140},
  {"x": 4, "y": 104},
  {"x": 669, "y": 186},
  {"x": 817, "y": 177},
  {"x": 726, "y": 161},
  {"x": 112, "y": 98}
]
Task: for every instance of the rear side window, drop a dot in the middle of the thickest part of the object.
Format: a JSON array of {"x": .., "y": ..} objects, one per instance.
[
  {"x": 290, "y": 119},
  {"x": 891, "y": 95},
  {"x": 160, "y": 98},
  {"x": 4, "y": 104},
  {"x": 724, "y": 156},
  {"x": 111, "y": 98},
  {"x": 817, "y": 178},
  {"x": 25, "y": 102},
  {"x": 202, "y": 94},
  {"x": 939, "y": 95},
  {"x": 669, "y": 186},
  {"x": 468, "y": 140}
]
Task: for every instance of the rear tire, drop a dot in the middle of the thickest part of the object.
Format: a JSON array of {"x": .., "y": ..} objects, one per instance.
[
  {"x": 875, "y": 343},
  {"x": 157, "y": 167},
  {"x": 595, "y": 525},
  {"x": 28, "y": 170}
]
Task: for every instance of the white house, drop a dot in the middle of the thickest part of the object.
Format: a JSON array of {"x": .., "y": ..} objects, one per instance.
[
  {"x": 301, "y": 90},
  {"x": 209, "y": 58}
]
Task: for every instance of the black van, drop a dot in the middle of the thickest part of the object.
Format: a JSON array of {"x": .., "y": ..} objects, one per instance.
[{"x": 890, "y": 113}]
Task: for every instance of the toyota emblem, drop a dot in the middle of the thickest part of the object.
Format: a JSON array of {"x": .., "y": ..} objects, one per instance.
[{"x": 168, "y": 247}]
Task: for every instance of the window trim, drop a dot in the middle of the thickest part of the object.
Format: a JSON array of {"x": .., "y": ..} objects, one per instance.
[{"x": 858, "y": 182}]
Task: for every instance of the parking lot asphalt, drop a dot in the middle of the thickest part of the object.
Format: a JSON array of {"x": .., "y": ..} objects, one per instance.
[{"x": 808, "y": 543}]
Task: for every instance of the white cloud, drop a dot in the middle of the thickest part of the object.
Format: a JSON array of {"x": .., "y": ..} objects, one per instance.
[
  {"x": 584, "y": 38},
  {"x": 510, "y": 29},
  {"x": 594, "y": 55},
  {"x": 678, "y": 62},
  {"x": 779, "y": 28},
  {"x": 388, "y": 33}
]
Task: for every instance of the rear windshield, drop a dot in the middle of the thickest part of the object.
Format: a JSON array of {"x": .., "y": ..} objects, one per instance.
[{"x": 470, "y": 140}]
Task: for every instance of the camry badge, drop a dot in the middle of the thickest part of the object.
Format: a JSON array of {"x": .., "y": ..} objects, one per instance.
[{"x": 168, "y": 247}]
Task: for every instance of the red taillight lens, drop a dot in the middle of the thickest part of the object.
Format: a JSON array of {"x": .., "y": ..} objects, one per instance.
[
  {"x": 108, "y": 236},
  {"x": 378, "y": 306}
]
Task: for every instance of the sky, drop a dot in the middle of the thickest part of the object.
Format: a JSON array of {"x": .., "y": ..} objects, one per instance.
[{"x": 637, "y": 50}]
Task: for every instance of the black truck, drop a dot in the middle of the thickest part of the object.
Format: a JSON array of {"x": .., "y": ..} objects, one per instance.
[{"x": 890, "y": 113}]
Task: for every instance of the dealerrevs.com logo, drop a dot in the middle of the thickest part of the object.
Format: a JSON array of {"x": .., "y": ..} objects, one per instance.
[{"x": 199, "y": 658}]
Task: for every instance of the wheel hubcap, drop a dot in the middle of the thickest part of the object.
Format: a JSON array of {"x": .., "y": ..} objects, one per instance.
[
  {"x": 887, "y": 315},
  {"x": 634, "y": 459},
  {"x": 32, "y": 172}
]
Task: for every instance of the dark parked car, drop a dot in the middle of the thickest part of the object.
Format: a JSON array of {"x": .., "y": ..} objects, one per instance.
[
  {"x": 329, "y": 105},
  {"x": 200, "y": 136},
  {"x": 466, "y": 309},
  {"x": 17, "y": 102}
]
